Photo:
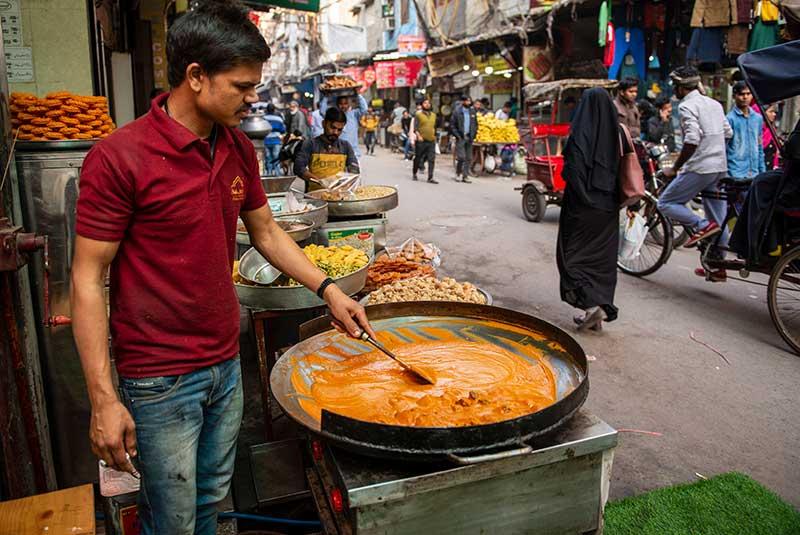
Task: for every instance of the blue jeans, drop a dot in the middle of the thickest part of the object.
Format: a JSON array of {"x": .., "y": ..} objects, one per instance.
[
  {"x": 186, "y": 431},
  {"x": 672, "y": 201},
  {"x": 271, "y": 164}
]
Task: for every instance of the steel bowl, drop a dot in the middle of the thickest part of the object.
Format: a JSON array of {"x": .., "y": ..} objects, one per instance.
[
  {"x": 361, "y": 208},
  {"x": 277, "y": 184},
  {"x": 294, "y": 297},
  {"x": 317, "y": 215},
  {"x": 298, "y": 235}
]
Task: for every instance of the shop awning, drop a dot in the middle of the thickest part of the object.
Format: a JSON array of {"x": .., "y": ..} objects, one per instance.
[
  {"x": 545, "y": 90},
  {"x": 301, "y": 5}
]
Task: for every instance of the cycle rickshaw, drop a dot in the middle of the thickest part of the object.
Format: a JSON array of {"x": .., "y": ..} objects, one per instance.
[{"x": 771, "y": 79}]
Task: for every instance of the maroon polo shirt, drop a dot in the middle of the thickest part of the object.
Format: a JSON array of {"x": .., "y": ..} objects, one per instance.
[{"x": 153, "y": 186}]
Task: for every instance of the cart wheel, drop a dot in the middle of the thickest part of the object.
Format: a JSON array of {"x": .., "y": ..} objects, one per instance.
[
  {"x": 533, "y": 204},
  {"x": 783, "y": 297},
  {"x": 657, "y": 245}
]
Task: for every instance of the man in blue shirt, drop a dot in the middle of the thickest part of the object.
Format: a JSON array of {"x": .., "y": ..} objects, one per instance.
[
  {"x": 745, "y": 149},
  {"x": 272, "y": 143},
  {"x": 350, "y": 133},
  {"x": 316, "y": 123}
]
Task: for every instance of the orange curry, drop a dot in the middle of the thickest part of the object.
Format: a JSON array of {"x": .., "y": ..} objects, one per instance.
[{"x": 477, "y": 382}]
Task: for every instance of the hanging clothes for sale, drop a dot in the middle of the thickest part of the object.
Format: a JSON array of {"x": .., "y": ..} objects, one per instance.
[
  {"x": 736, "y": 39},
  {"x": 602, "y": 24},
  {"x": 712, "y": 13},
  {"x": 767, "y": 11},
  {"x": 764, "y": 34},
  {"x": 706, "y": 45},
  {"x": 608, "y": 53},
  {"x": 628, "y": 41},
  {"x": 744, "y": 9},
  {"x": 655, "y": 16}
]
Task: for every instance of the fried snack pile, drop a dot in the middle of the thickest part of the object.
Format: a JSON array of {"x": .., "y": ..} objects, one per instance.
[
  {"x": 60, "y": 115},
  {"x": 338, "y": 82},
  {"x": 386, "y": 270},
  {"x": 427, "y": 289},
  {"x": 362, "y": 193},
  {"x": 476, "y": 382}
]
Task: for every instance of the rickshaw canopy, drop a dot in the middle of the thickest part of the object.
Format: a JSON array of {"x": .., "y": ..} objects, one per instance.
[
  {"x": 537, "y": 91},
  {"x": 772, "y": 72}
]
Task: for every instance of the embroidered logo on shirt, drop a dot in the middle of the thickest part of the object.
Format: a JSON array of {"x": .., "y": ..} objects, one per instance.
[{"x": 237, "y": 189}]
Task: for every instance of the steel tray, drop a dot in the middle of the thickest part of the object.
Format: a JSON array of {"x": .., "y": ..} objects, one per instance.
[
  {"x": 295, "y": 297},
  {"x": 361, "y": 208},
  {"x": 364, "y": 301},
  {"x": 243, "y": 237},
  {"x": 277, "y": 184}
]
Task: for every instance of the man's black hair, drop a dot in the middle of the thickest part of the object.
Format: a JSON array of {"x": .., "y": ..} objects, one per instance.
[
  {"x": 740, "y": 87},
  {"x": 507, "y": 104},
  {"x": 661, "y": 101},
  {"x": 271, "y": 108},
  {"x": 627, "y": 83},
  {"x": 218, "y": 35},
  {"x": 335, "y": 115}
]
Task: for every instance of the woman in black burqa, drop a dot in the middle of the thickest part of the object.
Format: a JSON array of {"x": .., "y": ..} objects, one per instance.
[{"x": 588, "y": 231}]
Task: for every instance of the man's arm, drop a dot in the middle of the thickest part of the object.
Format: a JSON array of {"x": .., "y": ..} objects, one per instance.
[
  {"x": 112, "y": 431},
  {"x": 302, "y": 159},
  {"x": 282, "y": 252},
  {"x": 362, "y": 104},
  {"x": 412, "y": 131},
  {"x": 323, "y": 105}
]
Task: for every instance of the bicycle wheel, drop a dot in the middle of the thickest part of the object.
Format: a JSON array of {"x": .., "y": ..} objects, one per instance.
[
  {"x": 783, "y": 297},
  {"x": 657, "y": 245}
]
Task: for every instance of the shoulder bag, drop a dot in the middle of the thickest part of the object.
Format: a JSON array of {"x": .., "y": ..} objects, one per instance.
[{"x": 631, "y": 176}]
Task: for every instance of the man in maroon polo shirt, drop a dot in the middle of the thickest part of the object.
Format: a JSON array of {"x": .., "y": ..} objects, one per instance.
[{"x": 159, "y": 201}]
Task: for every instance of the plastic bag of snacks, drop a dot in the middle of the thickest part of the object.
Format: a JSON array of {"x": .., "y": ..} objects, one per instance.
[
  {"x": 416, "y": 251},
  {"x": 60, "y": 115}
]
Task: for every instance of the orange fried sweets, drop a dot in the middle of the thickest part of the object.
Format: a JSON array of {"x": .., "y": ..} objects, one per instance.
[{"x": 60, "y": 115}]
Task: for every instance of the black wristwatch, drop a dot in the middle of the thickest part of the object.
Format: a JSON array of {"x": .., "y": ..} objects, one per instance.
[{"x": 321, "y": 290}]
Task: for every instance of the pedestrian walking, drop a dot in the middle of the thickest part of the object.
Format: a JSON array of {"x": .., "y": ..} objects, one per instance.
[
  {"x": 423, "y": 140},
  {"x": 464, "y": 127},
  {"x": 180, "y": 175},
  {"x": 627, "y": 109},
  {"x": 771, "y": 153},
  {"x": 272, "y": 142},
  {"x": 588, "y": 230},
  {"x": 745, "y": 149},
  {"x": 316, "y": 122},
  {"x": 350, "y": 132},
  {"x": 405, "y": 123},
  {"x": 295, "y": 120},
  {"x": 369, "y": 123}
]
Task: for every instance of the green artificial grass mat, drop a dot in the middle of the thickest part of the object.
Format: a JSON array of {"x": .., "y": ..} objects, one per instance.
[{"x": 728, "y": 504}]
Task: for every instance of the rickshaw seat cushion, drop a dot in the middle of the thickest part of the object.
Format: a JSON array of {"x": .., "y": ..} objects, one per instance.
[{"x": 556, "y": 130}]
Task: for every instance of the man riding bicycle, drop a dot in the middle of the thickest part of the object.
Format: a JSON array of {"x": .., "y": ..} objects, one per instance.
[{"x": 702, "y": 161}]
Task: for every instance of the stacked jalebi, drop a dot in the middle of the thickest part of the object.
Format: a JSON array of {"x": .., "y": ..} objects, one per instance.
[{"x": 60, "y": 115}]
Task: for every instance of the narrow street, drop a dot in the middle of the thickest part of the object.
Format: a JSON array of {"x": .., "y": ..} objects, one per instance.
[{"x": 701, "y": 415}]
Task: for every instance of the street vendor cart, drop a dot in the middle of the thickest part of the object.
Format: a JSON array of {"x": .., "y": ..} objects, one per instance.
[{"x": 549, "y": 130}]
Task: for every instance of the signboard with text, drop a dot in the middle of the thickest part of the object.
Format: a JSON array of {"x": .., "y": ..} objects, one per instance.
[
  {"x": 411, "y": 44},
  {"x": 397, "y": 73}
]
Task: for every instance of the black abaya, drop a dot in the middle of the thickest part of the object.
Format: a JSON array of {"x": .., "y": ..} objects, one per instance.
[{"x": 588, "y": 232}]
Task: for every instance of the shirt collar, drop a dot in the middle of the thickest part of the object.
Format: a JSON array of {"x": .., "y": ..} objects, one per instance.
[
  {"x": 694, "y": 93},
  {"x": 740, "y": 112},
  {"x": 178, "y": 135}
]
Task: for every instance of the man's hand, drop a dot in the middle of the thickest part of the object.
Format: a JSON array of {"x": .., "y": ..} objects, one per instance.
[
  {"x": 347, "y": 313},
  {"x": 669, "y": 172},
  {"x": 113, "y": 434}
]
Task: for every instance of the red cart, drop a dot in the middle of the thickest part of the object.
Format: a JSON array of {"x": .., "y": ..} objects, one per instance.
[{"x": 547, "y": 137}]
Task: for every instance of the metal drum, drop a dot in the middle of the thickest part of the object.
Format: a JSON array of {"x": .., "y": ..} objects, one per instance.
[
  {"x": 48, "y": 178},
  {"x": 497, "y": 326}
]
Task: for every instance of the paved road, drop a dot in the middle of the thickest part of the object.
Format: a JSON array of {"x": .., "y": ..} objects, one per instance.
[{"x": 648, "y": 373}]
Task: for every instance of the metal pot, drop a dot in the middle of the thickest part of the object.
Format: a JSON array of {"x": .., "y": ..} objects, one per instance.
[{"x": 255, "y": 126}]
